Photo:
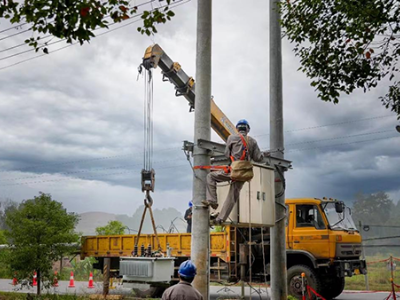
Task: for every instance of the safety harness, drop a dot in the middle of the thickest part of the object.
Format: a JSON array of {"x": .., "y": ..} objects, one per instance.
[
  {"x": 244, "y": 149},
  {"x": 227, "y": 169}
]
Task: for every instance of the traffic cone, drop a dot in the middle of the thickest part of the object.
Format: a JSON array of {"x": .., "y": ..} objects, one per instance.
[
  {"x": 55, "y": 280},
  {"x": 34, "y": 282},
  {"x": 71, "y": 280},
  {"x": 90, "y": 285},
  {"x": 15, "y": 280}
]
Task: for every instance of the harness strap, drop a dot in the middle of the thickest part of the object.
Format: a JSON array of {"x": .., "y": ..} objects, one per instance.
[
  {"x": 226, "y": 169},
  {"x": 245, "y": 150}
]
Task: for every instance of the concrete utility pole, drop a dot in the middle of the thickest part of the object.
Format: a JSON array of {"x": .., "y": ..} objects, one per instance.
[
  {"x": 202, "y": 130},
  {"x": 278, "y": 247},
  {"x": 106, "y": 275}
]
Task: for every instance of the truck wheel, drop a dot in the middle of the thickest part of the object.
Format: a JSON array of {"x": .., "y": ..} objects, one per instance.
[
  {"x": 335, "y": 288},
  {"x": 149, "y": 291},
  {"x": 294, "y": 281}
]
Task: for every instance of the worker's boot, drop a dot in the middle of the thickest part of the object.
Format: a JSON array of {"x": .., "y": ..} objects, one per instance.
[
  {"x": 213, "y": 215},
  {"x": 216, "y": 222},
  {"x": 213, "y": 204}
]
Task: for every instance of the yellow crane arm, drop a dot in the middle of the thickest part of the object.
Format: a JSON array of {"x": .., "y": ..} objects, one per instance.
[{"x": 185, "y": 86}]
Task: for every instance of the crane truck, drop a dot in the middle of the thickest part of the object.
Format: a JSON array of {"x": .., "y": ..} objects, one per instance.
[{"x": 322, "y": 240}]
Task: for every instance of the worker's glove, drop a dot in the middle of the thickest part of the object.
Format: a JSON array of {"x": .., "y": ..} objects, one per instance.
[{"x": 266, "y": 153}]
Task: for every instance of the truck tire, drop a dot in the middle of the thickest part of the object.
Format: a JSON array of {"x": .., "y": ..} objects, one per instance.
[
  {"x": 294, "y": 281},
  {"x": 334, "y": 288},
  {"x": 149, "y": 291}
]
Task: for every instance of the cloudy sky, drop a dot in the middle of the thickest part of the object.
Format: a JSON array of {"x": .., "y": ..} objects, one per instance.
[{"x": 71, "y": 123}]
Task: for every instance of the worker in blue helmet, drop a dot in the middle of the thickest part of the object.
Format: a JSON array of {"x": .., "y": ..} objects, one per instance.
[
  {"x": 184, "y": 289},
  {"x": 239, "y": 147},
  {"x": 188, "y": 217}
]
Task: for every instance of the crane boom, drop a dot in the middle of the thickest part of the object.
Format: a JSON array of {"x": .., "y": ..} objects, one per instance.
[{"x": 185, "y": 86}]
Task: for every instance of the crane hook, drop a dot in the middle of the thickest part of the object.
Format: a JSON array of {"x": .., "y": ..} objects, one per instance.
[{"x": 148, "y": 201}]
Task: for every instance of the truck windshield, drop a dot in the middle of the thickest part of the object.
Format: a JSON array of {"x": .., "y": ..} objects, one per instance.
[{"x": 339, "y": 221}]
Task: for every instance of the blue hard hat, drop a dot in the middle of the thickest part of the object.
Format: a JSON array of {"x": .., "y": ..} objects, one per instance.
[
  {"x": 243, "y": 122},
  {"x": 187, "y": 269},
  {"x": 190, "y": 203}
]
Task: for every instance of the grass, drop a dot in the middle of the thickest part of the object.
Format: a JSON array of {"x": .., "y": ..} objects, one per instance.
[
  {"x": 378, "y": 276},
  {"x": 23, "y": 296}
]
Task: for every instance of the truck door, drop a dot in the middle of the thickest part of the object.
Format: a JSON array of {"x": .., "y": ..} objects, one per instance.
[{"x": 310, "y": 231}]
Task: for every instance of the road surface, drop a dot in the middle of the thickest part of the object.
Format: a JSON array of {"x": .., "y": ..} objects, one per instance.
[{"x": 216, "y": 292}]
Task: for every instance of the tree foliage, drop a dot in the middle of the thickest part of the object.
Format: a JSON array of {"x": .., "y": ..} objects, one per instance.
[
  {"x": 39, "y": 231},
  {"x": 372, "y": 208},
  {"x": 5, "y": 207},
  {"x": 344, "y": 45},
  {"x": 76, "y": 20},
  {"x": 112, "y": 228}
]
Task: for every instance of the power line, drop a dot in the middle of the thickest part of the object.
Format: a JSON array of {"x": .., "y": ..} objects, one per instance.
[
  {"x": 178, "y": 3},
  {"x": 30, "y": 50},
  {"x": 388, "y": 226},
  {"x": 108, "y": 168},
  {"x": 177, "y": 148},
  {"x": 340, "y": 123},
  {"x": 26, "y": 30},
  {"x": 16, "y": 26},
  {"x": 382, "y": 238},
  {"x": 15, "y": 34},
  {"x": 84, "y": 170},
  {"x": 341, "y": 137},
  {"x": 128, "y": 171},
  {"x": 372, "y": 246},
  {"x": 341, "y": 144},
  {"x": 32, "y": 58},
  {"x": 331, "y": 124},
  {"x": 83, "y": 160},
  {"x": 90, "y": 176},
  {"x": 22, "y": 44}
]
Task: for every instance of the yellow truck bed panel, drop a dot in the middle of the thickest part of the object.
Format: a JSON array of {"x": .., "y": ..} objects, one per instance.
[{"x": 122, "y": 245}]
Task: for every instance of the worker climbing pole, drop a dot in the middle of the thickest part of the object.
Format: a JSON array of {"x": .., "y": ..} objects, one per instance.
[{"x": 147, "y": 174}]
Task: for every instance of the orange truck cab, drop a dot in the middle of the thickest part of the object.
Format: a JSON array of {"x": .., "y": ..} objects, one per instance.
[{"x": 323, "y": 242}]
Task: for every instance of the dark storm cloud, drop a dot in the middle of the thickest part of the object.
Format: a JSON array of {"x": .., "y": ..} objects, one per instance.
[{"x": 71, "y": 122}]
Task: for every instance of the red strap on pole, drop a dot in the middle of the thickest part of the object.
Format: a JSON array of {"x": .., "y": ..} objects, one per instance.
[{"x": 225, "y": 168}]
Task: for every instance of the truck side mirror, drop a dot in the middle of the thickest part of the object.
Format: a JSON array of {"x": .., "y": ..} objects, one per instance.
[{"x": 339, "y": 207}]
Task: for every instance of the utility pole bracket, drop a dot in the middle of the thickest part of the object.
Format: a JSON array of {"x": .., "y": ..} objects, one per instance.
[{"x": 218, "y": 157}]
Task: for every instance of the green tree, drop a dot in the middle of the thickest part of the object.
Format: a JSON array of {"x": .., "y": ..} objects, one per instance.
[
  {"x": 372, "y": 208},
  {"x": 345, "y": 45},
  {"x": 395, "y": 214},
  {"x": 75, "y": 20},
  {"x": 6, "y": 206},
  {"x": 112, "y": 228},
  {"x": 39, "y": 231}
]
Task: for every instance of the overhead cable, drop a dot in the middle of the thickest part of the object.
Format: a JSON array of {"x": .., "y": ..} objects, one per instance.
[
  {"x": 13, "y": 27},
  {"x": 87, "y": 177},
  {"x": 177, "y": 3},
  {"x": 332, "y": 124},
  {"x": 341, "y": 144}
]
